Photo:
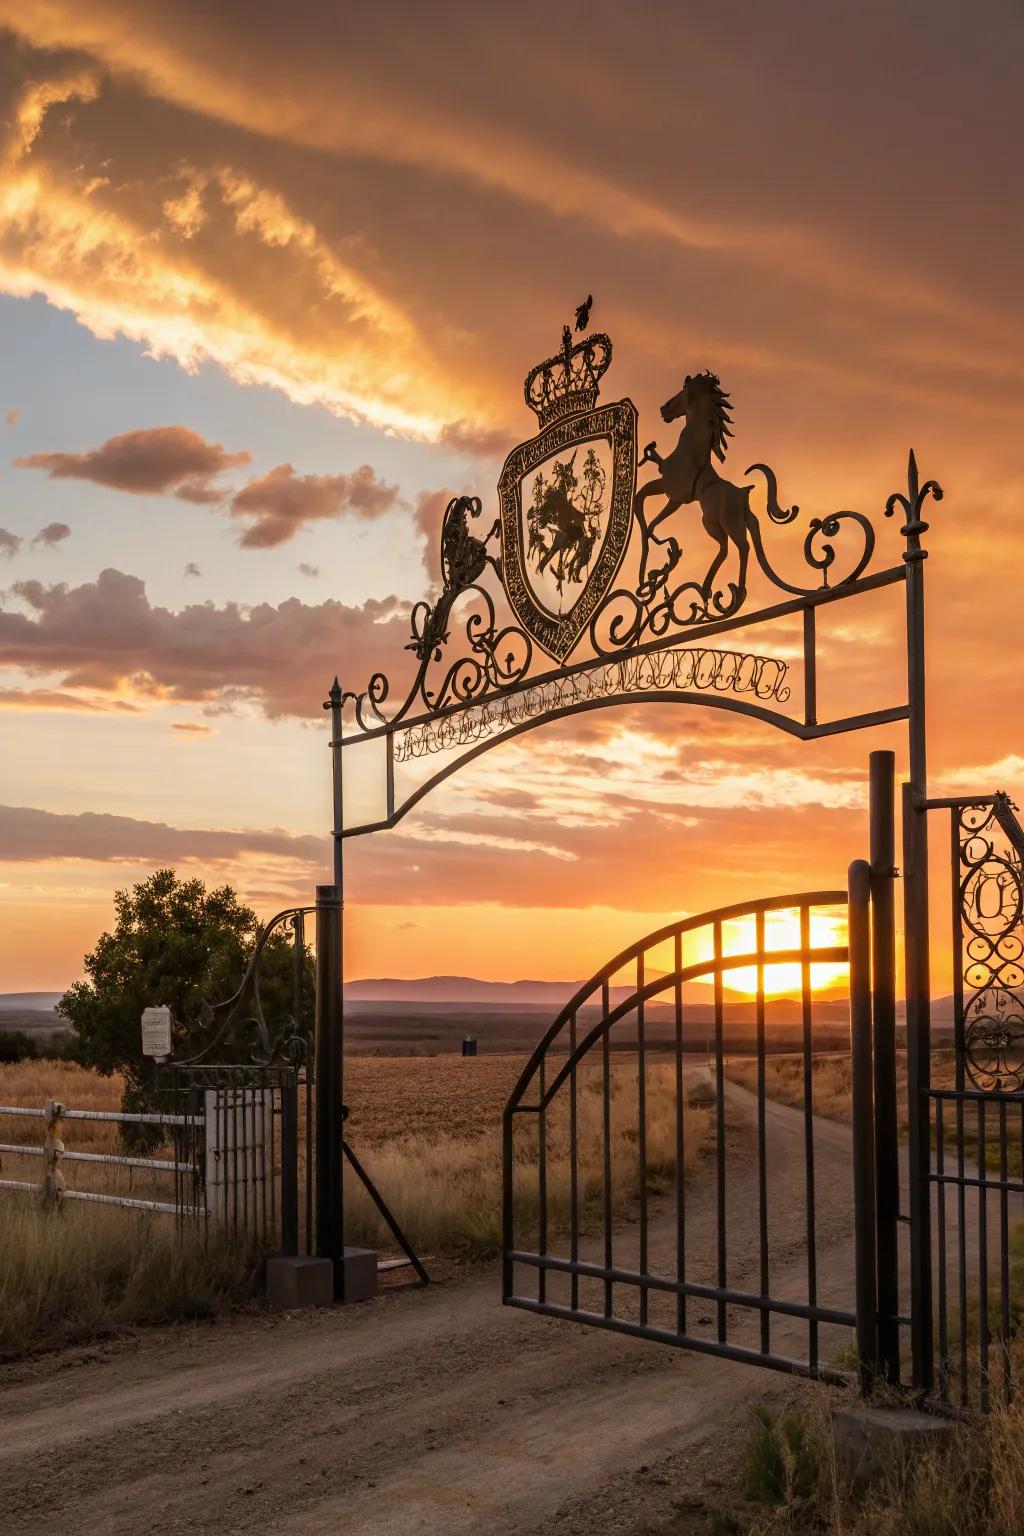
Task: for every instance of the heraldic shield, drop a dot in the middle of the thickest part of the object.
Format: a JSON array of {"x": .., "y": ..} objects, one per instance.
[{"x": 566, "y": 498}]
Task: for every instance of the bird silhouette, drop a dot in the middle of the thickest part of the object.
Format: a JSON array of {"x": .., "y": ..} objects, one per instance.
[{"x": 583, "y": 313}]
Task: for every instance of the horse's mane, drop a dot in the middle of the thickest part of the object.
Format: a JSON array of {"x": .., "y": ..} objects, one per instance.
[{"x": 721, "y": 405}]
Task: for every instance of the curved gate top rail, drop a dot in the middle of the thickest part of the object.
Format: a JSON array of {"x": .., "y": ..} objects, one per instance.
[
  {"x": 596, "y": 1202},
  {"x": 717, "y": 964}
]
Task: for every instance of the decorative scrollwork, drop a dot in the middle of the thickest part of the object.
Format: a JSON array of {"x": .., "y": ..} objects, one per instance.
[
  {"x": 290, "y": 1044},
  {"x": 684, "y": 670},
  {"x": 465, "y": 653},
  {"x": 991, "y": 912}
]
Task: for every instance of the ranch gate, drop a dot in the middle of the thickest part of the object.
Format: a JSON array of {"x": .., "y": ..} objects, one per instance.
[{"x": 587, "y": 593}]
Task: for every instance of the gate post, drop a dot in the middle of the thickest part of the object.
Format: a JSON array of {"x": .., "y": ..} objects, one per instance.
[
  {"x": 863, "y": 1121},
  {"x": 883, "y": 966},
  {"x": 330, "y": 1239}
]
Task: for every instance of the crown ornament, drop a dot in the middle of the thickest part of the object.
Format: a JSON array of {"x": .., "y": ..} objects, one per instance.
[{"x": 569, "y": 381}]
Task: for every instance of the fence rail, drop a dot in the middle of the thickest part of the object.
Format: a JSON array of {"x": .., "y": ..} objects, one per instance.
[{"x": 51, "y": 1187}]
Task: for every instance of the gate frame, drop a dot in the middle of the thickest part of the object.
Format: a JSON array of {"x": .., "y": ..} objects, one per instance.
[{"x": 487, "y": 697}]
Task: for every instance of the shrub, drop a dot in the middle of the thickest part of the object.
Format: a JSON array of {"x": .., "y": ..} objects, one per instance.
[{"x": 16, "y": 1045}]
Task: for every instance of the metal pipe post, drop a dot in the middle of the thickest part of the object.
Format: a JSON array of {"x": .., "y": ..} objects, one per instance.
[
  {"x": 330, "y": 1229},
  {"x": 863, "y": 1123},
  {"x": 334, "y": 705},
  {"x": 915, "y": 938},
  {"x": 883, "y": 967}
]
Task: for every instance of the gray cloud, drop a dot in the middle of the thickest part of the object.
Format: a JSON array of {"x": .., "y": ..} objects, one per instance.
[
  {"x": 154, "y": 461},
  {"x": 10, "y": 543},
  {"x": 28, "y": 834},
  {"x": 105, "y": 633},
  {"x": 52, "y": 534}
]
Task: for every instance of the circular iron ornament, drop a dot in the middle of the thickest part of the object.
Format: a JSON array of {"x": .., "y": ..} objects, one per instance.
[{"x": 994, "y": 1041}]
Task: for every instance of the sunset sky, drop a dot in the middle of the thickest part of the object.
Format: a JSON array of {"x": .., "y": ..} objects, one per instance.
[{"x": 270, "y": 280}]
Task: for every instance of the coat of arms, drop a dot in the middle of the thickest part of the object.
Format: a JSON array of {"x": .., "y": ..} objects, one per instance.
[{"x": 566, "y": 497}]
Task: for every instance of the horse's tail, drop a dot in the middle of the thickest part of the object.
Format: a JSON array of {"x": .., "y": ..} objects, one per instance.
[{"x": 775, "y": 512}]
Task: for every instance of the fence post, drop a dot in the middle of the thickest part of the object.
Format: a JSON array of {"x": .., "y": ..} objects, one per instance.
[
  {"x": 53, "y": 1150},
  {"x": 863, "y": 1122},
  {"x": 330, "y": 1228},
  {"x": 883, "y": 957}
]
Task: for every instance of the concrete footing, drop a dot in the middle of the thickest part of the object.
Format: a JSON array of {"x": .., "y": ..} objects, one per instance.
[
  {"x": 299, "y": 1280},
  {"x": 873, "y": 1443},
  {"x": 357, "y": 1277}
]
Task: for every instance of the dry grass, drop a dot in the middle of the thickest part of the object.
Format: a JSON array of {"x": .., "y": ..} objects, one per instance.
[
  {"x": 971, "y": 1484},
  {"x": 831, "y": 1098},
  {"x": 86, "y": 1270},
  {"x": 427, "y": 1128},
  {"x": 784, "y": 1081},
  {"x": 445, "y": 1189}
]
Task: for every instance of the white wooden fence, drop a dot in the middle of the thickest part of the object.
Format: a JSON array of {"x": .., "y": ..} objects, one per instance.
[{"x": 54, "y": 1154}]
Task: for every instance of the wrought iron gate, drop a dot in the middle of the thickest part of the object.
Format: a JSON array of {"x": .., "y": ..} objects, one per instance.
[
  {"x": 585, "y": 1135},
  {"x": 973, "y": 1305}
]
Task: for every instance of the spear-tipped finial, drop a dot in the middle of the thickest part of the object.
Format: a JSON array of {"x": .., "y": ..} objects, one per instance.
[
  {"x": 911, "y": 504},
  {"x": 334, "y": 697}
]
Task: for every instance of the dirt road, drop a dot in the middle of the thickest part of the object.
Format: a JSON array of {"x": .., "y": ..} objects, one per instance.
[{"x": 425, "y": 1412}]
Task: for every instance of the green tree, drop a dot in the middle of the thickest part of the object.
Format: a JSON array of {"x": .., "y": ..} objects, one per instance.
[{"x": 175, "y": 943}]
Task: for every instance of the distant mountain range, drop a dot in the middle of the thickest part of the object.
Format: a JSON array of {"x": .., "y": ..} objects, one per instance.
[
  {"x": 17, "y": 1002},
  {"x": 463, "y": 992},
  {"x": 471, "y": 991}
]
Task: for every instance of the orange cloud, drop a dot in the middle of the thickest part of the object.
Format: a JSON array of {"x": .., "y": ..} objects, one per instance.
[{"x": 281, "y": 502}]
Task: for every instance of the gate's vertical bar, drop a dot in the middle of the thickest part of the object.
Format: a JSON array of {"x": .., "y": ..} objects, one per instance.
[
  {"x": 983, "y": 1324},
  {"x": 1004, "y": 1253},
  {"x": 863, "y": 1122},
  {"x": 960, "y": 1083},
  {"x": 807, "y": 1020},
  {"x": 762, "y": 1142},
  {"x": 915, "y": 897},
  {"x": 942, "y": 1297},
  {"x": 330, "y": 1239},
  {"x": 542, "y": 1178},
  {"x": 883, "y": 953},
  {"x": 606, "y": 1125},
  {"x": 641, "y": 1116},
  {"x": 574, "y": 1168},
  {"x": 720, "y": 1125},
  {"x": 680, "y": 1143},
  {"x": 289, "y": 1161},
  {"x": 915, "y": 933},
  {"x": 508, "y": 1209}
]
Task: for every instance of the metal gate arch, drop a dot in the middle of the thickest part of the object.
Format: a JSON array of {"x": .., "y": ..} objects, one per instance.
[
  {"x": 641, "y": 620},
  {"x": 580, "y": 1256}
]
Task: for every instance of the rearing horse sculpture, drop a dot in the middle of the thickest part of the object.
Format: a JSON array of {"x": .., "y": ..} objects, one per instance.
[{"x": 687, "y": 475}]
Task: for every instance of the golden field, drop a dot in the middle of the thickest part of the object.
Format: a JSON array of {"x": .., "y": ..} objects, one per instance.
[{"x": 428, "y": 1130}]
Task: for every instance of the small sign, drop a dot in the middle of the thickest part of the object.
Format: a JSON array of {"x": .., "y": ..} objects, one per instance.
[{"x": 156, "y": 1032}]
